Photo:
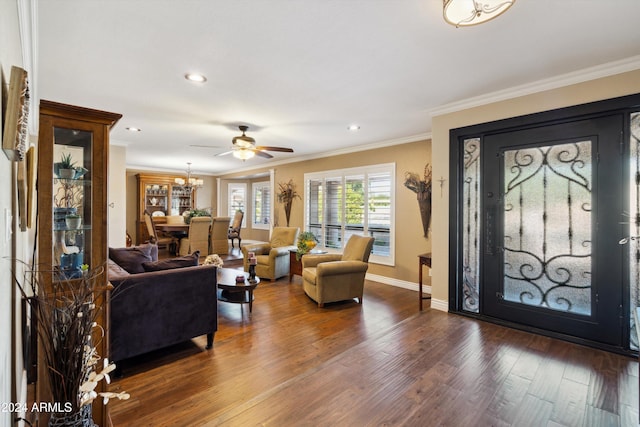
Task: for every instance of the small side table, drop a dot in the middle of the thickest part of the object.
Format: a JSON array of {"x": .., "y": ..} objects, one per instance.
[
  {"x": 231, "y": 291},
  {"x": 424, "y": 259}
]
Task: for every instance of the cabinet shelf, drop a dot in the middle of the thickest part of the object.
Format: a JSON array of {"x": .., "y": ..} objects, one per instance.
[{"x": 172, "y": 199}]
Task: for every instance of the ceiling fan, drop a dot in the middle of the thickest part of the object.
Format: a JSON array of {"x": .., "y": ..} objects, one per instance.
[{"x": 244, "y": 147}]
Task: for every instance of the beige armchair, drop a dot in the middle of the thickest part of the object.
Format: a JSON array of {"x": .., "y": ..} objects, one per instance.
[
  {"x": 335, "y": 277},
  {"x": 218, "y": 243},
  {"x": 198, "y": 237},
  {"x": 234, "y": 229},
  {"x": 273, "y": 257}
]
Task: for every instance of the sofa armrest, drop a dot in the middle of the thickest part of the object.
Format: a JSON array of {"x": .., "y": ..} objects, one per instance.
[
  {"x": 311, "y": 260},
  {"x": 280, "y": 251},
  {"x": 341, "y": 267},
  {"x": 258, "y": 248}
]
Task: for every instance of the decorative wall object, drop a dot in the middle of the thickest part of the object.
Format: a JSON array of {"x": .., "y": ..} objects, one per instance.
[
  {"x": 286, "y": 194},
  {"x": 14, "y": 141},
  {"x": 422, "y": 187}
]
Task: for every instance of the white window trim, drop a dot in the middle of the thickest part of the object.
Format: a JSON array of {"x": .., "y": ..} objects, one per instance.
[
  {"x": 363, "y": 170},
  {"x": 230, "y": 187},
  {"x": 254, "y": 187}
]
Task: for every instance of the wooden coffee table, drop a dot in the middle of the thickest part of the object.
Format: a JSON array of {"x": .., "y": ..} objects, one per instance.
[{"x": 231, "y": 291}]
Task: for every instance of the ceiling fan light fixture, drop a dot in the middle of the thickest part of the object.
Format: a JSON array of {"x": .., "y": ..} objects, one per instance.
[
  {"x": 465, "y": 13},
  {"x": 195, "y": 77},
  {"x": 244, "y": 141},
  {"x": 243, "y": 154}
]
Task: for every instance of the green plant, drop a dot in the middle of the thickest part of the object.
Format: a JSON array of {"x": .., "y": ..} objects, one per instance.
[
  {"x": 195, "y": 212},
  {"x": 66, "y": 162},
  {"x": 306, "y": 241}
]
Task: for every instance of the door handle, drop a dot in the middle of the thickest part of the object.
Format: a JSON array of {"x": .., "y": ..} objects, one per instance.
[{"x": 490, "y": 225}]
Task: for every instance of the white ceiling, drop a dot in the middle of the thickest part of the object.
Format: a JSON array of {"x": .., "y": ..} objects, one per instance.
[{"x": 298, "y": 72}]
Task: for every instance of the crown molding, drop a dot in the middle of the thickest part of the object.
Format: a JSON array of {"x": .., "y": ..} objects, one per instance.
[
  {"x": 592, "y": 73},
  {"x": 28, "y": 24}
]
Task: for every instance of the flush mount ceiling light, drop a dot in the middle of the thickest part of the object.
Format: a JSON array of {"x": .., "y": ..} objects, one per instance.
[
  {"x": 134, "y": 129},
  {"x": 195, "y": 77},
  {"x": 353, "y": 128},
  {"x": 464, "y": 13}
]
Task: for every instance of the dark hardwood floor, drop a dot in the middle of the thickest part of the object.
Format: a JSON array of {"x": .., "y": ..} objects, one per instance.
[{"x": 291, "y": 363}]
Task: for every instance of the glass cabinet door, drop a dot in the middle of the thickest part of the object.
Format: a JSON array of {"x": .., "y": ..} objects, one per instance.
[{"x": 72, "y": 173}]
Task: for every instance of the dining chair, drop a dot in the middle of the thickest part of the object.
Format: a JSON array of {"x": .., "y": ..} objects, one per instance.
[
  {"x": 218, "y": 241},
  {"x": 198, "y": 237},
  {"x": 234, "y": 229},
  {"x": 163, "y": 241}
]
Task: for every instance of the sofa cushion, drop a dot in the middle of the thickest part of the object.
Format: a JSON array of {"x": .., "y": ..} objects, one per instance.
[
  {"x": 114, "y": 271},
  {"x": 168, "y": 264},
  {"x": 131, "y": 258}
]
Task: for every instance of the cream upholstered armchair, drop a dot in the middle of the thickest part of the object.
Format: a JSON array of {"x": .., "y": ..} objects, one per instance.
[
  {"x": 198, "y": 237},
  {"x": 219, "y": 244},
  {"x": 335, "y": 277},
  {"x": 273, "y": 257}
]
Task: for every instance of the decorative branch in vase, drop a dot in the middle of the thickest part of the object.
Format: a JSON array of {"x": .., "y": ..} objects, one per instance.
[
  {"x": 422, "y": 186},
  {"x": 65, "y": 317},
  {"x": 286, "y": 195}
]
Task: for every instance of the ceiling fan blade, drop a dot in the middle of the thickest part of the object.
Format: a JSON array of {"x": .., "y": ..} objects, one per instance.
[
  {"x": 224, "y": 154},
  {"x": 281, "y": 149},
  {"x": 263, "y": 154},
  {"x": 206, "y": 146}
]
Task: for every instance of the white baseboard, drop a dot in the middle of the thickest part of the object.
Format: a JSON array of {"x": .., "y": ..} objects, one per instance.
[{"x": 435, "y": 304}]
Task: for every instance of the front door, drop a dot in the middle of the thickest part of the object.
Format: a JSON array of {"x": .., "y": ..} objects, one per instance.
[{"x": 551, "y": 206}]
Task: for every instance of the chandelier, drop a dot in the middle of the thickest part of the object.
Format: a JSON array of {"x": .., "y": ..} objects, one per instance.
[
  {"x": 464, "y": 13},
  {"x": 189, "y": 183}
]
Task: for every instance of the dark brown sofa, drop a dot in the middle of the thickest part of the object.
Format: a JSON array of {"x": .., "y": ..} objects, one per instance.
[{"x": 149, "y": 310}]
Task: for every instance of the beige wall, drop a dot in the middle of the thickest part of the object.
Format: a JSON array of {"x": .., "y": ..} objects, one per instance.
[
  {"x": 595, "y": 90},
  {"x": 14, "y": 244},
  {"x": 117, "y": 200},
  {"x": 410, "y": 157}
]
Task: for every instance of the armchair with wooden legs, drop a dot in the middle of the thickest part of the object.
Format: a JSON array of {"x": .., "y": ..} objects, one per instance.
[
  {"x": 337, "y": 277},
  {"x": 273, "y": 256}
]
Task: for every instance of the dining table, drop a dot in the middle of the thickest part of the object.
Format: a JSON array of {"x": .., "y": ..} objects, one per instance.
[{"x": 178, "y": 231}]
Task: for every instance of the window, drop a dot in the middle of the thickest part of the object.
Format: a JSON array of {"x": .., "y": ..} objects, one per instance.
[
  {"x": 237, "y": 200},
  {"x": 344, "y": 202},
  {"x": 261, "y": 205}
]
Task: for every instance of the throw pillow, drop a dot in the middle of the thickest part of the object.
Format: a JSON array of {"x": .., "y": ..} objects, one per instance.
[
  {"x": 168, "y": 264},
  {"x": 131, "y": 259}
]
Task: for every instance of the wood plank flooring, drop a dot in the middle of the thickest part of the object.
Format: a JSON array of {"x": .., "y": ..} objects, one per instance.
[{"x": 382, "y": 363}]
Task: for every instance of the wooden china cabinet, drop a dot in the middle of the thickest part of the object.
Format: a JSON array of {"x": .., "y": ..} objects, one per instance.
[
  {"x": 72, "y": 207},
  {"x": 162, "y": 196}
]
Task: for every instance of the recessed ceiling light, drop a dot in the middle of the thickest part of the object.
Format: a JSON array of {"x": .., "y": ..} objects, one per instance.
[
  {"x": 133, "y": 129},
  {"x": 354, "y": 128},
  {"x": 195, "y": 77}
]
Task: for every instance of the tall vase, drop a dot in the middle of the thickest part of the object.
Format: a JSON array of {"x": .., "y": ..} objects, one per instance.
[
  {"x": 424, "y": 201},
  {"x": 81, "y": 418},
  {"x": 287, "y": 211}
]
